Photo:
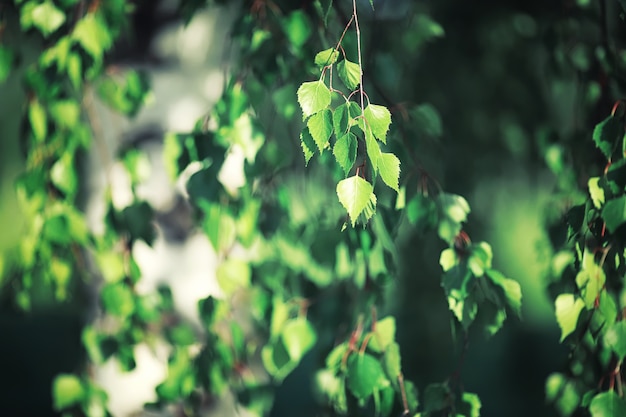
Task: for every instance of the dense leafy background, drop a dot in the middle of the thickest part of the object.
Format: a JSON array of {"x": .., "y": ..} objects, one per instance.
[{"x": 494, "y": 101}]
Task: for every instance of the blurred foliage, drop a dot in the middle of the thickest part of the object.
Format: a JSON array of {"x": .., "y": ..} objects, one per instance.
[{"x": 345, "y": 303}]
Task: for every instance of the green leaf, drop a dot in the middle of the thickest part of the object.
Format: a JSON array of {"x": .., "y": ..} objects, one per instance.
[
  {"x": 389, "y": 169},
  {"x": 590, "y": 279},
  {"x": 38, "y": 120},
  {"x": 308, "y": 145},
  {"x": 378, "y": 118},
  {"x": 342, "y": 116},
  {"x": 421, "y": 211},
  {"x": 326, "y": 57},
  {"x": 63, "y": 175},
  {"x": 313, "y": 96},
  {"x": 596, "y": 192},
  {"x": 297, "y": 28},
  {"x": 568, "y": 308},
  {"x": 66, "y": 113},
  {"x": 117, "y": 300},
  {"x": 372, "y": 147},
  {"x": 392, "y": 361},
  {"x": 345, "y": 151},
  {"x": 6, "y": 63},
  {"x": 562, "y": 393},
  {"x": 606, "y": 133},
  {"x": 232, "y": 275},
  {"x": 448, "y": 259},
  {"x": 511, "y": 288},
  {"x": 299, "y": 337},
  {"x": 480, "y": 258},
  {"x": 471, "y": 404},
  {"x": 47, "y": 18},
  {"x": 384, "y": 334},
  {"x": 607, "y": 404},
  {"x": 454, "y": 210},
  {"x": 321, "y": 127},
  {"x": 93, "y": 35},
  {"x": 350, "y": 73},
  {"x": 67, "y": 390},
  {"x": 607, "y": 308},
  {"x": 614, "y": 213},
  {"x": 354, "y": 195},
  {"x": 615, "y": 339},
  {"x": 365, "y": 374}
]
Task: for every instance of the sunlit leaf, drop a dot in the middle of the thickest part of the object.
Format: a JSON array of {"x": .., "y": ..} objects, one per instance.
[
  {"x": 350, "y": 73},
  {"x": 299, "y": 337},
  {"x": 326, "y": 57},
  {"x": 67, "y": 390},
  {"x": 354, "y": 194},
  {"x": 313, "y": 96},
  {"x": 384, "y": 334},
  {"x": 365, "y": 374},
  {"x": 308, "y": 144},
  {"x": 389, "y": 169},
  {"x": 47, "y": 17},
  {"x": 38, "y": 120},
  {"x": 378, "y": 118},
  {"x": 232, "y": 275},
  {"x": 568, "y": 308},
  {"x": 596, "y": 192}
]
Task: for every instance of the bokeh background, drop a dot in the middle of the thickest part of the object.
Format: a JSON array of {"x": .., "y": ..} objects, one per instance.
[{"x": 518, "y": 86}]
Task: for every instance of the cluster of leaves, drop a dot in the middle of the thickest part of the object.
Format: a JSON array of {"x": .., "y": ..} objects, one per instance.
[
  {"x": 307, "y": 287},
  {"x": 589, "y": 305}
]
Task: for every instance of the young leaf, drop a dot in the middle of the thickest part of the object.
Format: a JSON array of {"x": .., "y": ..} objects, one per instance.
[
  {"x": 590, "y": 280},
  {"x": 472, "y": 403},
  {"x": 389, "y": 169},
  {"x": 345, "y": 151},
  {"x": 607, "y": 404},
  {"x": 342, "y": 116},
  {"x": 378, "y": 118},
  {"x": 365, "y": 374},
  {"x": 93, "y": 35},
  {"x": 511, "y": 288},
  {"x": 354, "y": 195},
  {"x": 326, "y": 57},
  {"x": 350, "y": 73},
  {"x": 384, "y": 334},
  {"x": 47, "y": 18},
  {"x": 392, "y": 361},
  {"x": 299, "y": 337},
  {"x": 67, "y": 390},
  {"x": 568, "y": 308},
  {"x": 313, "y": 96},
  {"x": 321, "y": 127},
  {"x": 308, "y": 145},
  {"x": 232, "y": 275}
]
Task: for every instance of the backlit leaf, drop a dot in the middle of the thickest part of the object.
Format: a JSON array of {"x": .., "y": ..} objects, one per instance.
[
  {"x": 233, "y": 275},
  {"x": 354, "y": 195},
  {"x": 568, "y": 308},
  {"x": 596, "y": 192},
  {"x": 92, "y": 34},
  {"x": 326, "y": 57},
  {"x": 313, "y": 96},
  {"x": 67, "y": 390},
  {"x": 38, "y": 120},
  {"x": 384, "y": 334},
  {"x": 299, "y": 337},
  {"x": 372, "y": 147},
  {"x": 392, "y": 361},
  {"x": 47, "y": 18},
  {"x": 511, "y": 288},
  {"x": 365, "y": 374},
  {"x": 378, "y": 118},
  {"x": 389, "y": 169},
  {"x": 321, "y": 127},
  {"x": 607, "y": 404},
  {"x": 345, "y": 151},
  {"x": 350, "y": 73}
]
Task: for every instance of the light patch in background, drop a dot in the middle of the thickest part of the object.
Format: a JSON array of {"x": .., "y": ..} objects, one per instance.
[
  {"x": 128, "y": 391},
  {"x": 232, "y": 174},
  {"x": 513, "y": 207},
  {"x": 184, "y": 112}
]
